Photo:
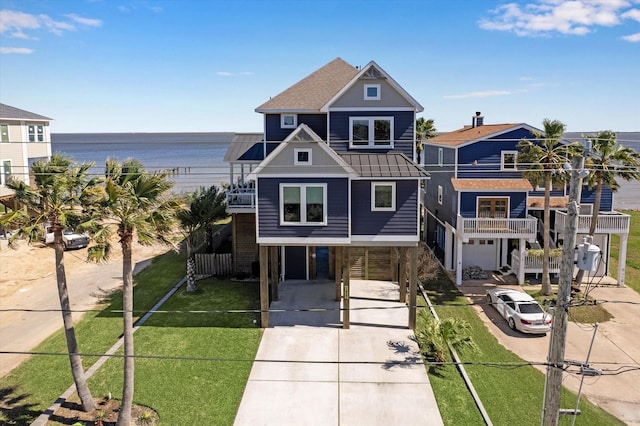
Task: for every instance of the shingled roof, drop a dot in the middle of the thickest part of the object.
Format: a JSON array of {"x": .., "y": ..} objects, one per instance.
[
  {"x": 491, "y": 184},
  {"x": 314, "y": 91},
  {"x": 469, "y": 133},
  {"x": 8, "y": 112}
]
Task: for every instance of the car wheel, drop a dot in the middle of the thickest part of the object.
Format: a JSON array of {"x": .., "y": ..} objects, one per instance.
[
  {"x": 512, "y": 323},
  {"x": 64, "y": 245}
]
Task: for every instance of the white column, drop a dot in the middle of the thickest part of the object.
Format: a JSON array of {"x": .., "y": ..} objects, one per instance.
[
  {"x": 522, "y": 252},
  {"x": 448, "y": 245},
  {"x": 459, "y": 259},
  {"x": 503, "y": 249},
  {"x": 622, "y": 258}
]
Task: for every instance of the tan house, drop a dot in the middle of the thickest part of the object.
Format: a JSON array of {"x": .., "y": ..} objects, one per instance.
[{"x": 25, "y": 138}]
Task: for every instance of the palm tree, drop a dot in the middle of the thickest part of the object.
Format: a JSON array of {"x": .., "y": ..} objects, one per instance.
[
  {"x": 606, "y": 162},
  {"x": 424, "y": 130},
  {"x": 542, "y": 160},
  {"x": 136, "y": 204},
  {"x": 205, "y": 206},
  {"x": 54, "y": 201},
  {"x": 435, "y": 336}
]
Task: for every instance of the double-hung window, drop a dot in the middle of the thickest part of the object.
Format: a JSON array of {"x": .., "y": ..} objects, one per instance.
[
  {"x": 371, "y": 132},
  {"x": 509, "y": 160},
  {"x": 36, "y": 133},
  {"x": 5, "y": 172},
  {"x": 4, "y": 132},
  {"x": 383, "y": 196},
  {"x": 303, "y": 204}
]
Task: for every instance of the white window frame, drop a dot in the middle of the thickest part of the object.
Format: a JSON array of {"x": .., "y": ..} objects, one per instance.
[
  {"x": 366, "y": 92},
  {"x": 2, "y": 176},
  {"x": 4, "y": 127},
  {"x": 440, "y": 194},
  {"x": 515, "y": 160},
  {"x": 440, "y": 157},
  {"x": 297, "y": 161},
  {"x": 392, "y": 208},
  {"x": 303, "y": 204},
  {"x": 37, "y": 136},
  {"x": 283, "y": 125},
  {"x": 371, "y": 142}
]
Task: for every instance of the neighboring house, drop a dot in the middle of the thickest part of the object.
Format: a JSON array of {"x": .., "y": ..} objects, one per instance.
[
  {"x": 332, "y": 179},
  {"x": 482, "y": 212},
  {"x": 25, "y": 137}
]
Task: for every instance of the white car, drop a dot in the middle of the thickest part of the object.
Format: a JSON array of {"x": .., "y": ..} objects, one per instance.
[
  {"x": 70, "y": 239},
  {"x": 520, "y": 310}
]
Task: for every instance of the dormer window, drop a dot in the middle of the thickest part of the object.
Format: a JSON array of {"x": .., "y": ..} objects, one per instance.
[
  {"x": 371, "y": 92},
  {"x": 288, "y": 121},
  {"x": 302, "y": 156}
]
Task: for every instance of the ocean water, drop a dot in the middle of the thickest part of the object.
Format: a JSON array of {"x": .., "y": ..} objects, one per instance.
[{"x": 194, "y": 159}]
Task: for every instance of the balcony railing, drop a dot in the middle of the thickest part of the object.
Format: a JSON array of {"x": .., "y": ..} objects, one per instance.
[
  {"x": 533, "y": 264},
  {"x": 498, "y": 227},
  {"x": 608, "y": 223},
  {"x": 241, "y": 198}
]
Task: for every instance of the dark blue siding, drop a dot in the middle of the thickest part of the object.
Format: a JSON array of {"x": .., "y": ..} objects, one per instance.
[
  {"x": 269, "y": 209},
  {"x": 403, "y": 221},
  {"x": 273, "y": 132},
  {"x": 403, "y": 122},
  {"x": 588, "y": 196},
  {"x": 517, "y": 203},
  {"x": 447, "y": 211},
  {"x": 477, "y": 160}
]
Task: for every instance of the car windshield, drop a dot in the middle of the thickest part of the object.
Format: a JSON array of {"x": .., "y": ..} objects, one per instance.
[{"x": 530, "y": 308}]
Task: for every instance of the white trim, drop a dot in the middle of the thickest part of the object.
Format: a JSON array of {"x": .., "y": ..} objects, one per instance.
[
  {"x": 303, "y": 204},
  {"x": 296, "y": 159},
  {"x": 303, "y": 241},
  {"x": 303, "y": 175},
  {"x": 515, "y": 163},
  {"x": 440, "y": 156},
  {"x": 400, "y": 240},
  {"x": 366, "y": 92},
  {"x": 283, "y": 125},
  {"x": 440, "y": 194},
  {"x": 349, "y": 109},
  {"x": 371, "y": 142},
  {"x": 373, "y": 196}
]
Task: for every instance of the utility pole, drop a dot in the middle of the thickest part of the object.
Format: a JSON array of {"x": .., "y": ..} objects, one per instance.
[{"x": 555, "y": 367}]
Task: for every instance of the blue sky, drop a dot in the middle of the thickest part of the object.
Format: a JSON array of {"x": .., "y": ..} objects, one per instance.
[{"x": 174, "y": 66}]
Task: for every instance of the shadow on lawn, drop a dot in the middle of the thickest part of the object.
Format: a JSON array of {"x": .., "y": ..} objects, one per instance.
[{"x": 13, "y": 408}]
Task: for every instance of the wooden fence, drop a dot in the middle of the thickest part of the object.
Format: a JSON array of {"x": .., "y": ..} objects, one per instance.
[{"x": 208, "y": 264}]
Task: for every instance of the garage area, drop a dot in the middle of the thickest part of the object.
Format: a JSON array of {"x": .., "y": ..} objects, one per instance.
[{"x": 482, "y": 253}]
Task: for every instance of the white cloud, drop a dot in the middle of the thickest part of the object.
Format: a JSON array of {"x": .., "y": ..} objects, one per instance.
[
  {"x": 544, "y": 17},
  {"x": 632, "y": 14},
  {"x": 634, "y": 38},
  {"x": 224, "y": 73},
  {"x": 17, "y": 50},
  {"x": 484, "y": 94},
  {"x": 19, "y": 23}
]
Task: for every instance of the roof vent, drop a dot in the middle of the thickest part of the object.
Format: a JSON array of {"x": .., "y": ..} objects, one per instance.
[{"x": 477, "y": 120}]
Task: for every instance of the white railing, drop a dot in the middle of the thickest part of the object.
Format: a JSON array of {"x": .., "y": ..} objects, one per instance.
[
  {"x": 241, "y": 197},
  {"x": 498, "y": 227},
  {"x": 533, "y": 264},
  {"x": 608, "y": 223}
]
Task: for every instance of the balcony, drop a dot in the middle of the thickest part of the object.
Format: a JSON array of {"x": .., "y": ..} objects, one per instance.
[
  {"x": 608, "y": 223},
  {"x": 497, "y": 227},
  {"x": 241, "y": 199}
]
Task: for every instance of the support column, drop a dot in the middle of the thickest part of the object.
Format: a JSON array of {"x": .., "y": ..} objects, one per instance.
[
  {"x": 338, "y": 272},
  {"x": 234, "y": 241},
  {"x": 413, "y": 285},
  {"x": 522, "y": 250},
  {"x": 402, "y": 276},
  {"x": 346, "y": 286},
  {"x": 622, "y": 258},
  {"x": 448, "y": 246},
  {"x": 264, "y": 286},
  {"x": 273, "y": 267},
  {"x": 459, "y": 260}
]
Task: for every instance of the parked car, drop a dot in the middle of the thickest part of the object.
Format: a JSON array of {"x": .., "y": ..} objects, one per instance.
[
  {"x": 5, "y": 234},
  {"x": 520, "y": 310},
  {"x": 70, "y": 239}
]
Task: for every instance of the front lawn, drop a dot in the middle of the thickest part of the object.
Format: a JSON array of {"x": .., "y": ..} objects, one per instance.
[{"x": 511, "y": 395}]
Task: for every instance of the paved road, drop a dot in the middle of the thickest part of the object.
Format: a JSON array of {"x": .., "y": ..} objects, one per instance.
[{"x": 616, "y": 342}]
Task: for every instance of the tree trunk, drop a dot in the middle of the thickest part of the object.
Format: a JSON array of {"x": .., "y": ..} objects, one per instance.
[
  {"x": 124, "y": 416},
  {"x": 77, "y": 371},
  {"x": 546, "y": 280},
  {"x": 594, "y": 222},
  {"x": 191, "y": 274}
]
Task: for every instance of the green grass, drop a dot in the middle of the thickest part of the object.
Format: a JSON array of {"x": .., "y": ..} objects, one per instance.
[
  {"x": 511, "y": 395},
  {"x": 632, "y": 273},
  {"x": 33, "y": 386}
]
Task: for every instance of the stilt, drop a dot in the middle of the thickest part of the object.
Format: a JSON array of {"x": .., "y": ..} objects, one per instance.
[
  {"x": 264, "y": 286},
  {"x": 346, "y": 295}
]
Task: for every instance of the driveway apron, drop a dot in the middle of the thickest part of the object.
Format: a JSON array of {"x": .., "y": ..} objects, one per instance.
[{"x": 310, "y": 371}]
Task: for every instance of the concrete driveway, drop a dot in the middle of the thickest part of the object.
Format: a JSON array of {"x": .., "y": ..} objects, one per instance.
[
  {"x": 616, "y": 348},
  {"x": 310, "y": 371}
]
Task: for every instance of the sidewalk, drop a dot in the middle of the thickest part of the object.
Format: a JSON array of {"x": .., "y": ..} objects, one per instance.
[{"x": 310, "y": 371}]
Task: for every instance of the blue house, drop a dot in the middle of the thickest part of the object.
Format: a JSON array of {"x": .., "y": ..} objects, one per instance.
[
  {"x": 332, "y": 190},
  {"x": 482, "y": 212}
]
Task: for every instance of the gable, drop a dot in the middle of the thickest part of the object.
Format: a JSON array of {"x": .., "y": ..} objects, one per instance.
[{"x": 353, "y": 97}]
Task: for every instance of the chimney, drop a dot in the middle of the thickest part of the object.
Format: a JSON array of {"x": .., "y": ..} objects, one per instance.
[{"x": 477, "y": 120}]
